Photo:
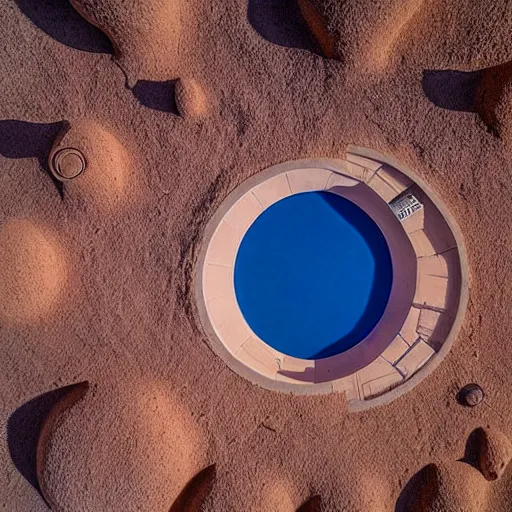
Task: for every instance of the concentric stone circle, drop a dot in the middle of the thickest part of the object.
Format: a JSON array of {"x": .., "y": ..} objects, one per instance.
[
  {"x": 427, "y": 301},
  {"x": 68, "y": 163}
]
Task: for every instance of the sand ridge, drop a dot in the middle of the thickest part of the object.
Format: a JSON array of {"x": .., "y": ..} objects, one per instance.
[
  {"x": 275, "y": 103},
  {"x": 494, "y": 99},
  {"x": 74, "y": 394},
  {"x": 463, "y": 485},
  {"x": 193, "y": 496},
  {"x": 379, "y": 28},
  {"x": 459, "y": 488},
  {"x": 313, "y": 504},
  {"x": 495, "y": 453}
]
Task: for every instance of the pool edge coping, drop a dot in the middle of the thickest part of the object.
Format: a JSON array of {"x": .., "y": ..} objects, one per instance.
[{"x": 439, "y": 356}]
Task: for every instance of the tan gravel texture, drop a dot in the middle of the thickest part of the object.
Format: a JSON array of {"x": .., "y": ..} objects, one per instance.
[{"x": 114, "y": 263}]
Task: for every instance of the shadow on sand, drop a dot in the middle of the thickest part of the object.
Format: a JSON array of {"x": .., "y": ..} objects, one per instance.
[
  {"x": 281, "y": 22},
  {"x": 23, "y": 429},
  {"x": 452, "y": 90},
  {"x": 60, "y": 21},
  {"x": 195, "y": 493},
  {"x": 418, "y": 491},
  {"x": 157, "y": 95},
  {"x": 21, "y": 139}
]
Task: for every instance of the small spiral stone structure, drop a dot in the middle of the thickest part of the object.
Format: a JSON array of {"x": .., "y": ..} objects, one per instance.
[{"x": 68, "y": 163}]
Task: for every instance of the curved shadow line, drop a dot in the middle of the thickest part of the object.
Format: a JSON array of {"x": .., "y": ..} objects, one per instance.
[
  {"x": 197, "y": 490},
  {"x": 157, "y": 95},
  {"x": 383, "y": 275},
  {"x": 23, "y": 429},
  {"x": 419, "y": 491}
]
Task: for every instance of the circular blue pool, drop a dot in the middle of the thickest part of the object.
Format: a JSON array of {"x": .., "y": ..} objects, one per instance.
[{"x": 313, "y": 275}]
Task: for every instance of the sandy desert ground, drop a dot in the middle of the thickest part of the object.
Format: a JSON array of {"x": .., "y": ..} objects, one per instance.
[{"x": 175, "y": 103}]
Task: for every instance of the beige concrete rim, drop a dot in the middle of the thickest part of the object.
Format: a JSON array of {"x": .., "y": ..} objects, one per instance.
[{"x": 464, "y": 291}]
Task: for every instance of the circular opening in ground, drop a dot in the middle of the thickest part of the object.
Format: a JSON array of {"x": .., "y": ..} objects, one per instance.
[{"x": 313, "y": 275}]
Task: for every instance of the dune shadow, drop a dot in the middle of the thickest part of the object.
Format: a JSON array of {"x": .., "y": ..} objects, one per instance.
[
  {"x": 157, "y": 95},
  {"x": 452, "y": 90},
  {"x": 21, "y": 139},
  {"x": 473, "y": 447},
  {"x": 419, "y": 491},
  {"x": 313, "y": 504},
  {"x": 23, "y": 429},
  {"x": 383, "y": 274},
  {"x": 197, "y": 490},
  {"x": 60, "y": 21},
  {"x": 281, "y": 22}
]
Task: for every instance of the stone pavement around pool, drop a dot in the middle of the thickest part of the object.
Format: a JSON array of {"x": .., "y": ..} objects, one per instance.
[{"x": 431, "y": 312}]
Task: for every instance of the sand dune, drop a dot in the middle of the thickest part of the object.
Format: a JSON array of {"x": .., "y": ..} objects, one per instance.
[
  {"x": 143, "y": 434},
  {"x": 33, "y": 272},
  {"x": 75, "y": 393},
  {"x": 313, "y": 504},
  {"x": 145, "y": 35},
  {"x": 191, "y": 99},
  {"x": 460, "y": 488},
  {"x": 379, "y": 29},
  {"x": 195, "y": 493},
  {"x": 135, "y": 444},
  {"x": 318, "y": 24},
  {"x": 447, "y": 487},
  {"x": 494, "y": 100},
  {"x": 495, "y": 453},
  {"x": 276, "y": 494}
]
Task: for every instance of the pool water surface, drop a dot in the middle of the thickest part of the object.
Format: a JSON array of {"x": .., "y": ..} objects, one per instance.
[{"x": 313, "y": 275}]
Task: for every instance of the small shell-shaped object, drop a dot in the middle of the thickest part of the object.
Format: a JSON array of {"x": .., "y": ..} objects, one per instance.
[
  {"x": 471, "y": 395},
  {"x": 191, "y": 99},
  {"x": 495, "y": 454}
]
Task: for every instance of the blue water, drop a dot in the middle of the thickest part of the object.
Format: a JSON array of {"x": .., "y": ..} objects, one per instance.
[{"x": 313, "y": 275}]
